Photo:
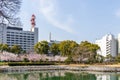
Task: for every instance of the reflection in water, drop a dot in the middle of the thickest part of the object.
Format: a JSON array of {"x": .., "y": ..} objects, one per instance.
[
  {"x": 107, "y": 77},
  {"x": 59, "y": 75},
  {"x": 102, "y": 77}
]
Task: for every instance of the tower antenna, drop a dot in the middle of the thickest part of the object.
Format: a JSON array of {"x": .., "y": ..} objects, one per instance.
[
  {"x": 50, "y": 36},
  {"x": 33, "y": 23}
]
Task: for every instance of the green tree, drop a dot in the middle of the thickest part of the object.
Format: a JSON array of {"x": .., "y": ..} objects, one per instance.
[
  {"x": 16, "y": 49},
  {"x": 109, "y": 57},
  {"x": 66, "y": 47},
  {"x": 68, "y": 60},
  {"x": 117, "y": 58},
  {"x": 100, "y": 58},
  {"x": 89, "y": 50},
  {"x": 77, "y": 54},
  {"x": 54, "y": 48},
  {"x": 1, "y": 47},
  {"x": 41, "y": 47},
  {"x": 85, "y": 52},
  {"x": 5, "y": 47}
]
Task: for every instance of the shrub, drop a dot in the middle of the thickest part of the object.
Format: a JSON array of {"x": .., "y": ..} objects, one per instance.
[
  {"x": 25, "y": 60},
  {"x": 68, "y": 60},
  {"x": 29, "y": 63}
]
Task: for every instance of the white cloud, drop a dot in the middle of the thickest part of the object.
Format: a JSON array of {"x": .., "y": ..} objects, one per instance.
[
  {"x": 49, "y": 9},
  {"x": 117, "y": 13}
]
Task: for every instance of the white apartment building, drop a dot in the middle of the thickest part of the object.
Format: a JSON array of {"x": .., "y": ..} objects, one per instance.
[
  {"x": 108, "y": 45},
  {"x": 119, "y": 43},
  {"x": 16, "y": 36}
]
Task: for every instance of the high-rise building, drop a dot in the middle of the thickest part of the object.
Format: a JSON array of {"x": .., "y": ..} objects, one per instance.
[
  {"x": 108, "y": 45},
  {"x": 17, "y": 36},
  {"x": 118, "y": 43}
]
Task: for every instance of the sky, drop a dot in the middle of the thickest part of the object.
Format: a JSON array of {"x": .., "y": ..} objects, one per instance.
[{"x": 77, "y": 20}]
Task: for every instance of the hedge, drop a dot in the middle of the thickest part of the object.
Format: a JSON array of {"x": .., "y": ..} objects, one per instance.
[{"x": 25, "y": 63}]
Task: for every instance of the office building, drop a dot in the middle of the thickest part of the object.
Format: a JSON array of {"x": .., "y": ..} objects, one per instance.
[{"x": 17, "y": 36}]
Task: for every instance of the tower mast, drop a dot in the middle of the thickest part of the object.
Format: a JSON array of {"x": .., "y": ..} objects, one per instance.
[
  {"x": 50, "y": 36},
  {"x": 33, "y": 23}
]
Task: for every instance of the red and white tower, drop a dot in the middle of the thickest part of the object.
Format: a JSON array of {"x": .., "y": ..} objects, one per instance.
[{"x": 33, "y": 23}]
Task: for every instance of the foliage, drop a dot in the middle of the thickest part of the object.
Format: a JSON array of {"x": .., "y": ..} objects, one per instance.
[
  {"x": 8, "y": 10},
  {"x": 66, "y": 47},
  {"x": 85, "y": 52},
  {"x": 25, "y": 60},
  {"x": 1, "y": 46},
  {"x": 117, "y": 58},
  {"x": 4, "y": 47},
  {"x": 77, "y": 54},
  {"x": 28, "y": 63},
  {"x": 109, "y": 57},
  {"x": 41, "y": 47},
  {"x": 54, "y": 48},
  {"x": 68, "y": 60},
  {"x": 16, "y": 49},
  {"x": 92, "y": 47},
  {"x": 99, "y": 58}
]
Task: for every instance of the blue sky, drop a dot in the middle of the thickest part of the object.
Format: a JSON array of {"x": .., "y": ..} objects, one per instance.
[{"x": 77, "y": 20}]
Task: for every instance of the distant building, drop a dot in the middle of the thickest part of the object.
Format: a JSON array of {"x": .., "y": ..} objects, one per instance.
[
  {"x": 54, "y": 41},
  {"x": 16, "y": 36},
  {"x": 50, "y": 41},
  {"x": 108, "y": 45}
]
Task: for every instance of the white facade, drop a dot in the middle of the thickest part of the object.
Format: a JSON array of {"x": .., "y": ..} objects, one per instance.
[
  {"x": 118, "y": 43},
  {"x": 108, "y": 45},
  {"x": 16, "y": 36}
]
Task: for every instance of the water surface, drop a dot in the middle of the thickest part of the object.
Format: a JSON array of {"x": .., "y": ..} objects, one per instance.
[{"x": 59, "y": 75}]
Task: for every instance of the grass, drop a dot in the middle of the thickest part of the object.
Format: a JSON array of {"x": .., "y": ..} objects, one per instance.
[
  {"x": 99, "y": 65},
  {"x": 55, "y": 63}
]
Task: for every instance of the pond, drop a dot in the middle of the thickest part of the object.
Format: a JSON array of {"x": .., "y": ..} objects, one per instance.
[{"x": 59, "y": 75}]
